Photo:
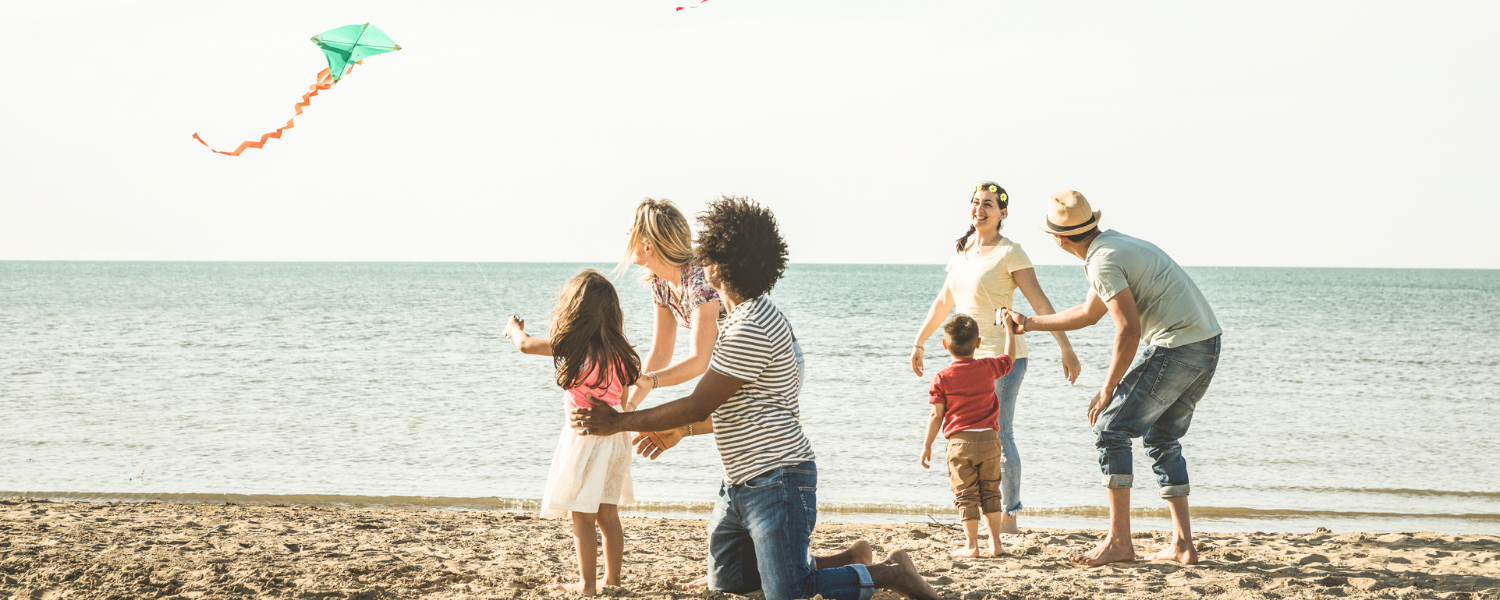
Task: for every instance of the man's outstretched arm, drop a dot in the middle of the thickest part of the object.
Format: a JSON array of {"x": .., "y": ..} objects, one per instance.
[
  {"x": 1072, "y": 319},
  {"x": 713, "y": 390}
]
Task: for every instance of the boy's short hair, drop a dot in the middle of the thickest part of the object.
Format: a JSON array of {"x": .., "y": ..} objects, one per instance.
[{"x": 962, "y": 332}]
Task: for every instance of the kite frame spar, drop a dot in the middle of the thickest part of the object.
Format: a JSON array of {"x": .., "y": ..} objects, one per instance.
[{"x": 338, "y": 67}]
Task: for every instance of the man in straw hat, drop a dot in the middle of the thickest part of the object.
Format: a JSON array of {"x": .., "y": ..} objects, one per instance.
[{"x": 1152, "y": 301}]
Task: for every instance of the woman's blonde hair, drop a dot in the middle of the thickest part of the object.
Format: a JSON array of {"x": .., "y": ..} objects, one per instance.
[
  {"x": 588, "y": 332},
  {"x": 660, "y": 223}
]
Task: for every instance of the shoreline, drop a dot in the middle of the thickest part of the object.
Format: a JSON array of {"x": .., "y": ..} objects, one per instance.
[
  {"x": 1205, "y": 518},
  {"x": 187, "y": 550}
]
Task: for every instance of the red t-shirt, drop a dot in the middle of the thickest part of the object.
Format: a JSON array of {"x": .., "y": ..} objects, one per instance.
[{"x": 968, "y": 388}]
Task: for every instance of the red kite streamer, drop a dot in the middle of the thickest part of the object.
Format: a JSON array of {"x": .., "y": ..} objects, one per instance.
[
  {"x": 700, "y": 2},
  {"x": 325, "y": 81}
]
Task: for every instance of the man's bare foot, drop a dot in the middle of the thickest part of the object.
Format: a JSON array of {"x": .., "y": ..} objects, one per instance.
[
  {"x": 861, "y": 551},
  {"x": 578, "y": 588},
  {"x": 1008, "y": 525},
  {"x": 1181, "y": 551},
  {"x": 1108, "y": 551},
  {"x": 967, "y": 552},
  {"x": 696, "y": 583},
  {"x": 899, "y": 574}
]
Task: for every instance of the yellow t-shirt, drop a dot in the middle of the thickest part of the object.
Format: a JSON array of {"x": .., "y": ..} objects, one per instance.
[{"x": 982, "y": 284}]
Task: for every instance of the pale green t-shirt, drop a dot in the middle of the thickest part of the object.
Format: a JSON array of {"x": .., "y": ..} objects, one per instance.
[
  {"x": 1173, "y": 311},
  {"x": 982, "y": 284}
]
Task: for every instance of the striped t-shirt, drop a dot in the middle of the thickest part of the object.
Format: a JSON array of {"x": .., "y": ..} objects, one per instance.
[{"x": 759, "y": 428}]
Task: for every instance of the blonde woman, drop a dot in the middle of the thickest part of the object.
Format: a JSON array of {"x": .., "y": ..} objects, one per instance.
[
  {"x": 661, "y": 241},
  {"x": 985, "y": 271}
]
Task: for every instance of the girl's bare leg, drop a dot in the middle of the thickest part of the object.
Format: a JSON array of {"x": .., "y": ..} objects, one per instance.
[
  {"x": 588, "y": 556},
  {"x": 614, "y": 543}
]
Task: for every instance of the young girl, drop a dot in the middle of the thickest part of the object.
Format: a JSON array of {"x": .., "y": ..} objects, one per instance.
[{"x": 590, "y": 474}]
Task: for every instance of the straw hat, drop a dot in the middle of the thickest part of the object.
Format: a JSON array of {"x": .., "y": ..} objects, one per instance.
[{"x": 1069, "y": 213}]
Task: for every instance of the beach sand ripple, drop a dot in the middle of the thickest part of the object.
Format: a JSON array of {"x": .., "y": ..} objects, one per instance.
[{"x": 52, "y": 550}]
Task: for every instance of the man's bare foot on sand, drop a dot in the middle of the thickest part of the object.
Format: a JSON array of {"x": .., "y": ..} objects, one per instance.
[
  {"x": 899, "y": 574},
  {"x": 1181, "y": 551},
  {"x": 1108, "y": 551},
  {"x": 696, "y": 583}
]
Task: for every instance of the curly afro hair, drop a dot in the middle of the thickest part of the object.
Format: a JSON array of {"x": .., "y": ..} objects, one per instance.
[{"x": 739, "y": 238}]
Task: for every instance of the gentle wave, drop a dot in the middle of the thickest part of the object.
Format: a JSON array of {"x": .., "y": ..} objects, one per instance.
[{"x": 704, "y": 508}]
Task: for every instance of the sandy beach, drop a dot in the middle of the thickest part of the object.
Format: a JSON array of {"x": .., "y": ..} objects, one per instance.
[{"x": 150, "y": 550}]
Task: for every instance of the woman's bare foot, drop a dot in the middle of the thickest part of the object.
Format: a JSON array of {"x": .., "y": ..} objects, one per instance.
[
  {"x": 1008, "y": 525},
  {"x": 590, "y": 589},
  {"x": 1181, "y": 551},
  {"x": 995, "y": 549},
  {"x": 1108, "y": 551},
  {"x": 967, "y": 552},
  {"x": 899, "y": 574},
  {"x": 696, "y": 583}
]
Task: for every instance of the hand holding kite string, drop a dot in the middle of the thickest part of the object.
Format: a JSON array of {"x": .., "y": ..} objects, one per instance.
[{"x": 344, "y": 47}]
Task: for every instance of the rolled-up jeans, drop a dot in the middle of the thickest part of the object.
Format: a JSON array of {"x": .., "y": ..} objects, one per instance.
[
  {"x": 1007, "y": 388},
  {"x": 1156, "y": 400},
  {"x": 758, "y": 540}
]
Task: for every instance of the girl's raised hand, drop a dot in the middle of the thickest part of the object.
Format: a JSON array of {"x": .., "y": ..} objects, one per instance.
[{"x": 514, "y": 326}]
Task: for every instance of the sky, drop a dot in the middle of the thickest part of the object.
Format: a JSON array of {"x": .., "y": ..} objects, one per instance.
[{"x": 1268, "y": 133}]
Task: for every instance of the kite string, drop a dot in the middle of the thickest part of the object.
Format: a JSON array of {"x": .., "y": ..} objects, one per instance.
[{"x": 493, "y": 296}]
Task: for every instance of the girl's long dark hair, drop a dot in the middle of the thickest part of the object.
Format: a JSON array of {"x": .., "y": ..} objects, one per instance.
[
  {"x": 962, "y": 241},
  {"x": 588, "y": 332}
]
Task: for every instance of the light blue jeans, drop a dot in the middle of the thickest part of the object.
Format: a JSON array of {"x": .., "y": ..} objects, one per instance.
[
  {"x": 1006, "y": 389},
  {"x": 1156, "y": 400}
]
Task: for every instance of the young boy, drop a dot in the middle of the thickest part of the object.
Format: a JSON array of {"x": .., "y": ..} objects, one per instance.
[{"x": 965, "y": 407}]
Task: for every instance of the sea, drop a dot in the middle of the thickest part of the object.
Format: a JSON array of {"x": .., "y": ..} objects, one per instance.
[{"x": 1351, "y": 399}]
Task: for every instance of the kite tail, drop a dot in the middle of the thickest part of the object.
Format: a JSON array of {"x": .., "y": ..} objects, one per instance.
[{"x": 324, "y": 82}]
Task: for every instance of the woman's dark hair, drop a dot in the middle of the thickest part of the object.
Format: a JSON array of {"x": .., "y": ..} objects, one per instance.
[
  {"x": 1004, "y": 201},
  {"x": 588, "y": 332},
  {"x": 739, "y": 238}
]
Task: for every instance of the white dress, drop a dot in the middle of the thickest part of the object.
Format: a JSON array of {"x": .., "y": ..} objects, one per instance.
[{"x": 587, "y": 470}]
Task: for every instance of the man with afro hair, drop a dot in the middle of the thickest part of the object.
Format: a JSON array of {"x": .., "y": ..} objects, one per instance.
[{"x": 767, "y": 504}]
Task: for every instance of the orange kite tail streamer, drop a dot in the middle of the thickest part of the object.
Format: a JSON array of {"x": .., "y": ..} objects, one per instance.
[{"x": 325, "y": 81}]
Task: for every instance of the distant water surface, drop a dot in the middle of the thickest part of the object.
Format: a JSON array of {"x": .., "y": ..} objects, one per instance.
[{"x": 1353, "y": 398}]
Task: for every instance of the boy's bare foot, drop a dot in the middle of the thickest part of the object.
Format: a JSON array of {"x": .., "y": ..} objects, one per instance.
[
  {"x": 577, "y": 588},
  {"x": 967, "y": 552},
  {"x": 899, "y": 574},
  {"x": 1181, "y": 551},
  {"x": 1008, "y": 525},
  {"x": 1108, "y": 551},
  {"x": 696, "y": 583}
]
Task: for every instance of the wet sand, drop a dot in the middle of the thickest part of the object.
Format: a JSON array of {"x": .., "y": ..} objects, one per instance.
[{"x": 149, "y": 550}]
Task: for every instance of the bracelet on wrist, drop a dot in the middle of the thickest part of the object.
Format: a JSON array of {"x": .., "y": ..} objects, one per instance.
[
  {"x": 690, "y": 430},
  {"x": 654, "y": 383}
]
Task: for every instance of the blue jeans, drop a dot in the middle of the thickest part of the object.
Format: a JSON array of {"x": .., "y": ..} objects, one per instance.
[
  {"x": 1006, "y": 389},
  {"x": 758, "y": 538},
  {"x": 1155, "y": 400}
]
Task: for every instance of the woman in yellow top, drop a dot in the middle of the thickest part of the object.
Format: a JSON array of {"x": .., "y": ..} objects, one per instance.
[{"x": 986, "y": 269}]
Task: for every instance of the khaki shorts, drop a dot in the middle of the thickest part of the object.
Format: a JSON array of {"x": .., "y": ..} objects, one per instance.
[{"x": 974, "y": 472}]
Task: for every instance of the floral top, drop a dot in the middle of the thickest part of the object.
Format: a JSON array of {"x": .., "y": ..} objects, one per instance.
[{"x": 695, "y": 291}]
